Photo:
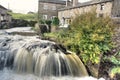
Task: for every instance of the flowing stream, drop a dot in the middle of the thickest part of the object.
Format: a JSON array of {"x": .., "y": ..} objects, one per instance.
[{"x": 30, "y": 58}]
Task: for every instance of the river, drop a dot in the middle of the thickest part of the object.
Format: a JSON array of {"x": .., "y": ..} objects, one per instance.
[{"x": 29, "y": 58}]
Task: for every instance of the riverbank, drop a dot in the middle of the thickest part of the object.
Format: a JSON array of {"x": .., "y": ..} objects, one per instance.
[{"x": 24, "y": 31}]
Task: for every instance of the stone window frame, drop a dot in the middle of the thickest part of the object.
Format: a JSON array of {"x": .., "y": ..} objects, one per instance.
[
  {"x": 45, "y": 17},
  {"x": 2, "y": 17},
  {"x": 102, "y": 7}
]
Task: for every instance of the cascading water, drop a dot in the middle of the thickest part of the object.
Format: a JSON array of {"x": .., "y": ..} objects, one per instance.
[
  {"x": 45, "y": 58},
  {"x": 29, "y": 58}
]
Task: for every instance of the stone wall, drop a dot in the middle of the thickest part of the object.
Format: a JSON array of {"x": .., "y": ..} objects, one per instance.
[
  {"x": 72, "y": 12},
  {"x": 116, "y": 8},
  {"x": 5, "y": 18},
  {"x": 107, "y": 9},
  {"x": 2, "y": 13},
  {"x": 51, "y": 9},
  {"x": 116, "y": 37}
]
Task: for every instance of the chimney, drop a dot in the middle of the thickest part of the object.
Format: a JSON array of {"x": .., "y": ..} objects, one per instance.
[
  {"x": 74, "y": 2},
  {"x": 67, "y": 3}
]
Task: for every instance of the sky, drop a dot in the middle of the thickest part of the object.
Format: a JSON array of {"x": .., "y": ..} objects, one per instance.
[{"x": 23, "y": 6}]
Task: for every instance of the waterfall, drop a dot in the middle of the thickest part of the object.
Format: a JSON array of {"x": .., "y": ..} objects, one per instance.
[
  {"x": 45, "y": 58},
  {"x": 30, "y": 58},
  {"x": 39, "y": 57}
]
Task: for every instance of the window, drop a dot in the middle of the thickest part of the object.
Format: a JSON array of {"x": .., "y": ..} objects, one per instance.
[
  {"x": 53, "y": 7},
  {"x": 102, "y": 7},
  {"x": 118, "y": 15},
  {"x": 45, "y": 17},
  {"x": 53, "y": 17},
  {"x": 45, "y": 7},
  {"x": 2, "y": 18}
]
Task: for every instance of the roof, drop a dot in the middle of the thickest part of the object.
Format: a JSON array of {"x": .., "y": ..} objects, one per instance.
[
  {"x": 54, "y": 1},
  {"x": 2, "y": 7},
  {"x": 86, "y": 4}
]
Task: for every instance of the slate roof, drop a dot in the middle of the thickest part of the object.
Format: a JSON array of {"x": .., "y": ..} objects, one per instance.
[
  {"x": 2, "y": 7},
  {"x": 86, "y": 4},
  {"x": 54, "y": 1}
]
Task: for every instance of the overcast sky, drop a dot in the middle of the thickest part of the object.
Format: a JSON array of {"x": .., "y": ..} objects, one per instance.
[{"x": 23, "y": 6}]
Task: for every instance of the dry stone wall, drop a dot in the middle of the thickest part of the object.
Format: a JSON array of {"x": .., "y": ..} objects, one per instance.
[{"x": 116, "y": 37}]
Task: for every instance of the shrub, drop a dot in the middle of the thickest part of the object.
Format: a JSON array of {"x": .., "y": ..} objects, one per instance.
[
  {"x": 32, "y": 23},
  {"x": 89, "y": 36},
  {"x": 21, "y": 16},
  {"x": 48, "y": 22},
  {"x": 41, "y": 21},
  {"x": 114, "y": 71},
  {"x": 19, "y": 23},
  {"x": 55, "y": 21}
]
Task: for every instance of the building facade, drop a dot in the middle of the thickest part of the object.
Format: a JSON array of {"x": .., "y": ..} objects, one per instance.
[
  {"x": 48, "y": 9},
  {"x": 102, "y": 8},
  {"x": 116, "y": 8},
  {"x": 5, "y": 18},
  {"x": 67, "y": 10}
]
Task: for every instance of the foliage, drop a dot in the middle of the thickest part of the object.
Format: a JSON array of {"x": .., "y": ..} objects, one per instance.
[
  {"x": 48, "y": 22},
  {"x": 20, "y": 19},
  {"x": 115, "y": 59},
  {"x": 50, "y": 35},
  {"x": 88, "y": 36},
  {"x": 115, "y": 70},
  {"x": 28, "y": 17},
  {"x": 32, "y": 23},
  {"x": 41, "y": 21},
  {"x": 19, "y": 23},
  {"x": 55, "y": 21}
]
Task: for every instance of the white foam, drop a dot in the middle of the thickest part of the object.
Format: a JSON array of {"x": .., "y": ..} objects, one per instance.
[{"x": 11, "y": 75}]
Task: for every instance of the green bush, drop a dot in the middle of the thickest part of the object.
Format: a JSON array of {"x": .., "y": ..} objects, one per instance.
[
  {"x": 115, "y": 59},
  {"x": 41, "y": 21},
  {"x": 32, "y": 23},
  {"x": 19, "y": 23},
  {"x": 48, "y": 22},
  {"x": 55, "y": 21},
  {"x": 114, "y": 71},
  {"x": 28, "y": 17},
  {"x": 88, "y": 36}
]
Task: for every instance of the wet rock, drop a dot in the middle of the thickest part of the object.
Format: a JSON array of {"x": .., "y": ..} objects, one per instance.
[{"x": 59, "y": 47}]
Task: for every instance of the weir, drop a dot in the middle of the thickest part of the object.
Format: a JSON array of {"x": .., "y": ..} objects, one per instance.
[
  {"x": 45, "y": 58},
  {"x": 40, "y": 57},
  {"x": 30, "y": 58}
]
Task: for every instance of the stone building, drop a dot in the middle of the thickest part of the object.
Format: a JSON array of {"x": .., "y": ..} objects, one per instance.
[
  {"x": 5, "y": 18},
  {"x": 116, "y": 8},
  {"x": 48, "y": 9},
  {"x": 66, "y": 10},
  {"x": 102, "y": 8}
]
